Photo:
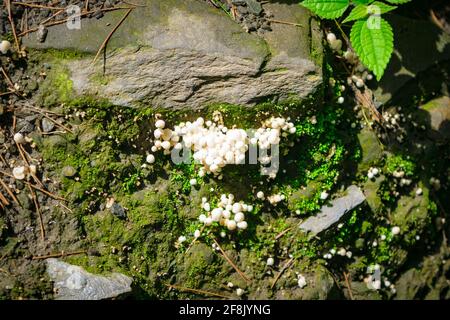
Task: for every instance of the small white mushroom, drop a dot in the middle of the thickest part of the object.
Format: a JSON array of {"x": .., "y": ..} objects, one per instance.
[
  {"x": 150, "y": 158},
  {"x": 331, "y": 37},
  {"x": 231, "y": 225},
  {"x": 242, "y": 225},
  {"x": 160, "y": 124},
  {"x": 395, "y": 230},
  {"x": 19, "y": 173},
  {"x": 19, "y": 138},
  {"x": 5, "y": 45}
]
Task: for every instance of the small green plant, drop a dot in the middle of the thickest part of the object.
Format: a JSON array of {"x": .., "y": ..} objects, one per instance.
[{"x": 371, "y": 36}]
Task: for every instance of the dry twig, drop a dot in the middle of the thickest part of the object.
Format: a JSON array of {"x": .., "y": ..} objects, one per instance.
[
  {"x": 286, "y": 23},
  {"x": 38, "y": 210},
  {"x": 243, "y": 276},
  {"x": 347, "y": 282},
  {"x": 105, "y": 42},
  {"x": 197, "y": 291},
  {"x": 285, "y": 267},
  {"x": 59, "y": 255},
  {"x": 13, "y": 27}
]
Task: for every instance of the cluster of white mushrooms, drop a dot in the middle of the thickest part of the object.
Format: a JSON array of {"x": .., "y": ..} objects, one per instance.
[
  {"x": 373, "y": 172},
  {"x": 228, "y": 213},
  {"x": 400, "y": 176},
  {"x": 276, "y": 198},
  {"x": 214, "y": 145},
  {"x": 341, "y": 252},
  {"x": 349, "y": 55}
]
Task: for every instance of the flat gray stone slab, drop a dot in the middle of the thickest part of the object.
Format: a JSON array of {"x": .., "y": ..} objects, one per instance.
[
  {"x": 74, "y": 283},
  {"x": 329, "y": 215},
  {"x": 176, "y": 54}
]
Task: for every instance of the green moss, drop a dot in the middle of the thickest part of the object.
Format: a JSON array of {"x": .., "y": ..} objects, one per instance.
[{"x": 57, "y": 87}]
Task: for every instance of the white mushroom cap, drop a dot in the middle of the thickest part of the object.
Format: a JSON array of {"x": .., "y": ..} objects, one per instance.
[
  {"x": 19, "y": 138},
  {"x": 19, "y": 173},
  {"x": 5, "y": 45},
  {"x": 150, "y": 158}
]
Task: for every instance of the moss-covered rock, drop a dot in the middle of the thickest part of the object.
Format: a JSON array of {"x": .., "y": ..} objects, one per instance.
[{"x": 188, "y": 55}]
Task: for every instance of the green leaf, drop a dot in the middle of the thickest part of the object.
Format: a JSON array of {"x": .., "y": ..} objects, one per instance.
[
  {"x": 379, "y": 8},
  {"x": 327, "y": 9},
  {"x": 357, "y": 13},
  {"x": 362, "y": 11},
  {"x": 362, "y": 1},
  {"x": 398, "y": 1},
  {"x": 373, "y": 42}
]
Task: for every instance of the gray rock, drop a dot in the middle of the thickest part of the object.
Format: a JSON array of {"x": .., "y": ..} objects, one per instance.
[
  {"x": 254, "y": 7},
  {"x": 47, "y": 125},
  {"x": 176, "y": 54},
  {"x": 74, "y": 283},
  {"x": 438, "y": 111},
  {"x": 419, "y": 45},
  {"x": 371, "y": 149},
  {"x": 24, "y": 126},
  {"x": 117, "y": 210},
  {"x": 329, "y": 215}
]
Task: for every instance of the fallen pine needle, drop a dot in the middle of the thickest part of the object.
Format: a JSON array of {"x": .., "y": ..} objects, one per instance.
[
  {"x": 8, "y": 190},
  {"x": 38, "y": 210},
  {"x": 287, "y": 265},
  {"x": 347, "y": 282},
  {"x": 231, "y": 262},
  {"x": 105, "y": 42},
  {"x": 286, "y": 22},
  {"x": 197, "y": 291},
  {"x": 58, "y": 255}
]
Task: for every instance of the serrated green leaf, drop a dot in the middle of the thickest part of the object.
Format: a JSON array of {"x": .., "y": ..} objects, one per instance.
[
  {"x": 398, "y": 1},
  {"x": 357, "y": 13},
  {"x": 361, "y": 11},
  {"x": 373, "y": 42},
  {"x": 378, "y": 7},
  {"x": 327, "y": 9},
  {"x": 362, "y": 1}
]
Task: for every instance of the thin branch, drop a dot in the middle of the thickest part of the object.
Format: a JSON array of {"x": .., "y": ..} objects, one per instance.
[
  {"x": 231, "y": 262},
  {"x": 59, "y": 255},
  {"x": 8, "y": 190},
  {"x": 197, "y": 291},
  {"x": 38, "y": 210},
  {"x": 13, "y": 27},
  {"x": 347, "y": 282},
  {"x": 32, "y": 5},
  {"x": 105, "y": 42},
  {"x": 286, "y": 266},
  {"x": 286, "y": 22},
  {"x": 3, "y": 200},
  {"x": 283, "y": 233}
]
